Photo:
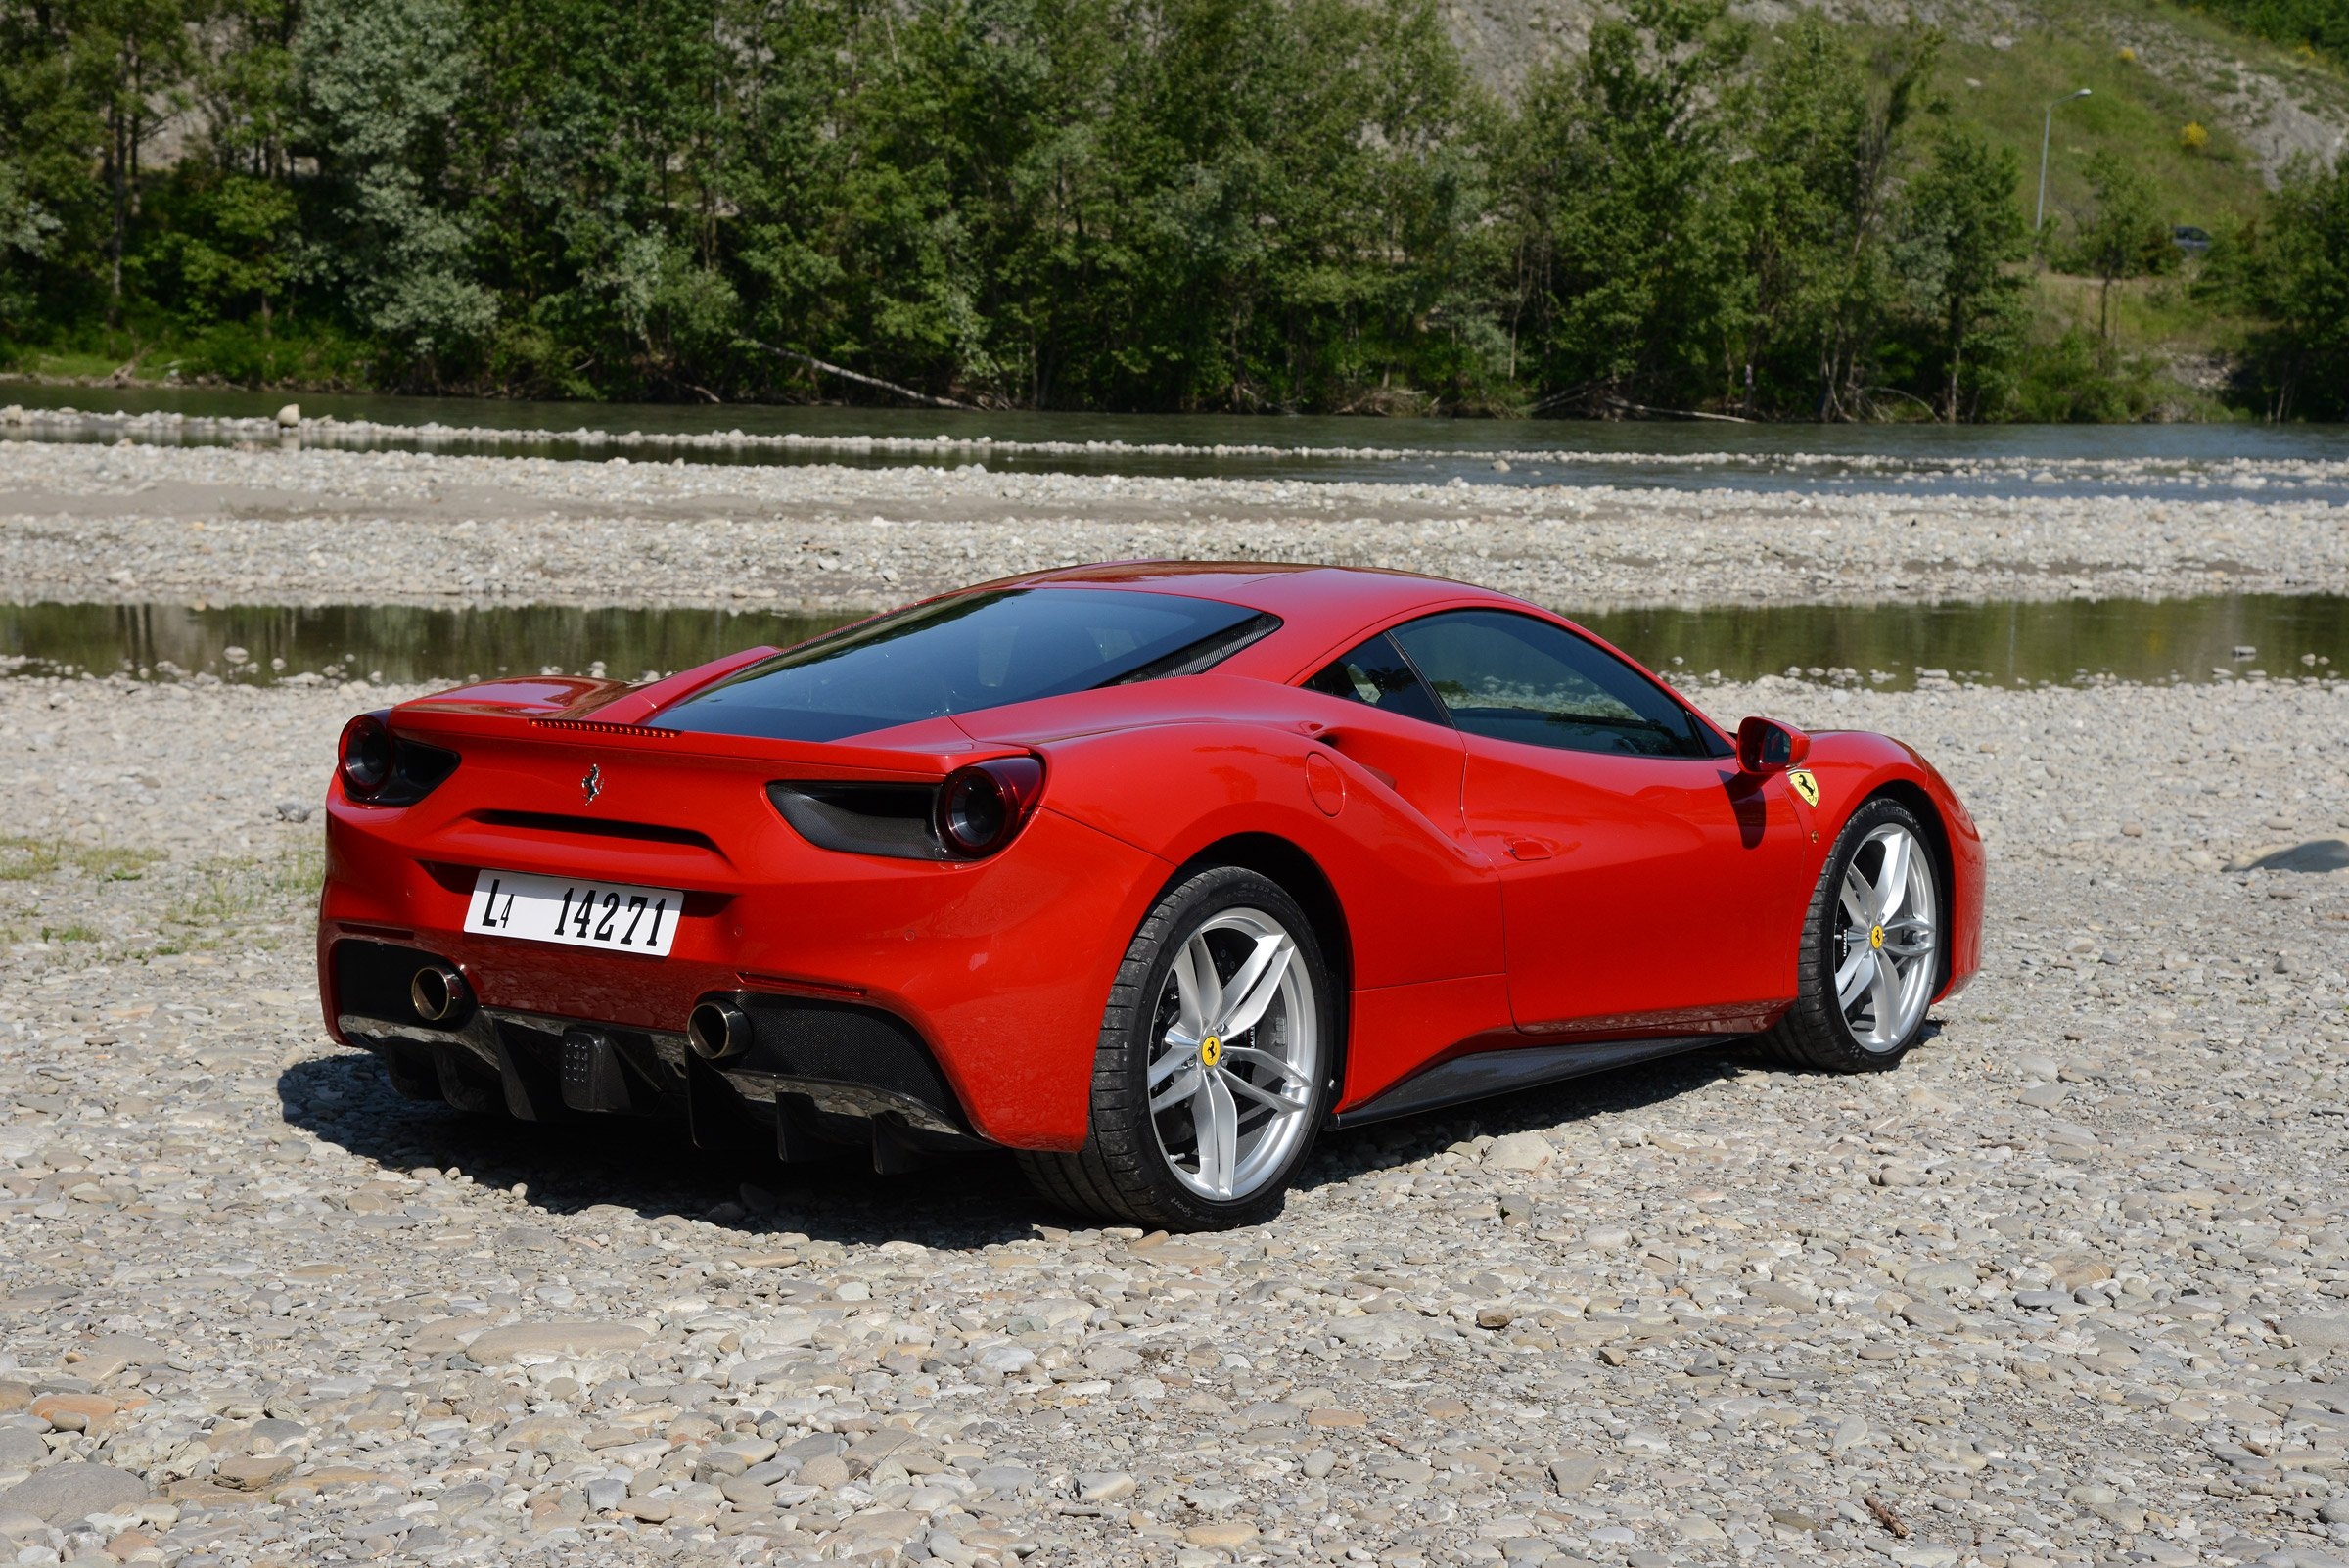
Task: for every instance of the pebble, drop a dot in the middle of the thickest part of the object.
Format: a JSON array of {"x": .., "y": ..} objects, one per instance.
[
  {"x": 526, "y": 1341},
  {"x": 73, "y": 1490},
  {"x": 1519, "y": 1151}
]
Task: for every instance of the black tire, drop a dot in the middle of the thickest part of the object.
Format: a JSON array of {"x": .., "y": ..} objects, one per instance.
[
  {"x": 1123, "y": 1174},
  {"x": 1813, "y": 1035}
]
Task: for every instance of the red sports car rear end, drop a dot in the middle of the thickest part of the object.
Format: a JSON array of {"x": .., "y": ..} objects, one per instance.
[{"x": 1149, "y": 873}]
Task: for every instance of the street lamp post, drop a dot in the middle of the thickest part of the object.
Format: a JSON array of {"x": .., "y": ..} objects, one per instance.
[{"x": 2038, "y": 219}]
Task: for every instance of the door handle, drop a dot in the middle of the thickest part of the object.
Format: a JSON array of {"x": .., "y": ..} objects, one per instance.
[{"x": 1529, "y": 849}]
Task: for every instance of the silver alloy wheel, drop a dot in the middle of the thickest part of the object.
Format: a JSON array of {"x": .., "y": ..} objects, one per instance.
[
  {"x": 1888, "y": 938},
  {"x": 1231, "y": 1076}
]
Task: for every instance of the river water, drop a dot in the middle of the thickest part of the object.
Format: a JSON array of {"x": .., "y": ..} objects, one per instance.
[
  {"x": 2176, "y": 461},
  {"x": 2062, "y": 642}
]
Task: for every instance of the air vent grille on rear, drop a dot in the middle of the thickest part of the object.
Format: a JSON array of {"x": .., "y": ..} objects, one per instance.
[{"x": 596, "y": 726}]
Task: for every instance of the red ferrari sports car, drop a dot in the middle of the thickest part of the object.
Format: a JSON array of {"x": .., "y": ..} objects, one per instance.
[{"x": 1146, "y": 871}]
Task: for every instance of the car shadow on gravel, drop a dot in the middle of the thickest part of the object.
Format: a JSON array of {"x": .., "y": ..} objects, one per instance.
[
  {"x": 652, "y": 1168},
  {"x": 1556, "y": 1108},
  {"x": 959, "y": 1203}
]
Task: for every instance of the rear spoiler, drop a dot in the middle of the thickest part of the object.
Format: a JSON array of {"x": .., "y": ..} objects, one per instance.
[
  {"x": 575, "y": 697},
  {"x": 641, "y": 703}
]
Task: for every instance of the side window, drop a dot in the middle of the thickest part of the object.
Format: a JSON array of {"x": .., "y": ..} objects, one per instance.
[
  {"x": 1376, "y": 672},
  {"x": 1515, "y": 679}
]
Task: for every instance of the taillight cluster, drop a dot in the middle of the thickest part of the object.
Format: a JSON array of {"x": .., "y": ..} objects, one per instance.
[
  {"x": 980, "y": 808},
  {"x": 972, "y": 814},
  {"x": 381, "y": 768}
]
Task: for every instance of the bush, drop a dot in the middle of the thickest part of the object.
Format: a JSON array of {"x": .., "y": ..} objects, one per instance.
[
  {"x": 241, "y": 353},
  {"x": 2076, "y": 380}
]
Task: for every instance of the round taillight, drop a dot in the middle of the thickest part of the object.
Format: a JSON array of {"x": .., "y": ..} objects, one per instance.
[
  {"x": 980, "y": 808},
  {"x": 365, "y": 755}
]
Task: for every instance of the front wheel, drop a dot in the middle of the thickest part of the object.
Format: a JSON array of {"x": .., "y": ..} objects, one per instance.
[
  {"x": 1872, "y": 948},
  {"x": 1216, "y": 1058}
]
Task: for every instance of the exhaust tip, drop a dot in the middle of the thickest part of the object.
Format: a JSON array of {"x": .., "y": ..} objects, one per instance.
[
  {"x": 437, "y": 993},
  {"x": 718, "y": 1030}
]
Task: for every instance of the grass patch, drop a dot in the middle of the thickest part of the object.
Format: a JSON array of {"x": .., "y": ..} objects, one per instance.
[
  {"x": 225, "y": 901},
  {"x": 23, "y": 860},
  {"x": 164, "y": 351},
  {"x": 72, "y": 933},
  {"x": 300, "y": 872},
  {"x": 55, "y": 364}
]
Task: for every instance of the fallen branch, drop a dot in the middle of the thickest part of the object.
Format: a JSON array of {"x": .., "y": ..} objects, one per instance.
[
  {"x": 1678, "y": 413},
  {"x": 1930, "y": 410},
  {"x": 1559, "y": 399},
  {"x": 862, "y": 379},
  {"x": 1886, "y": 1517}
]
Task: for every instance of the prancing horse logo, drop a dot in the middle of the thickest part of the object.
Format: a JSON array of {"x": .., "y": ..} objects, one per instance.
[{"x": 593, "y": 784}]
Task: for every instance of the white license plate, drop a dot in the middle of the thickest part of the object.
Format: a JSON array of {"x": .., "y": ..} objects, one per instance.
[{"x": 611, "y": 916}]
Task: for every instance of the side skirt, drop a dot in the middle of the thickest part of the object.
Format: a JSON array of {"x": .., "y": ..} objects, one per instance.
[{"x": 1500, "y": 1072}]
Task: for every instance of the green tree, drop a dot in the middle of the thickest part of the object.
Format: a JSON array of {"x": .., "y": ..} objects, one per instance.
[
  {"x": 1961, "y": 229},
  {"x": 2292, "y": 267},
  {"x": 232, "y": 249},
  {"x": 2128, "y": 236},
  {"x": 589, "y": 163},
  {"x": 1613, "y": 181},
  {"x": 1815, "y": 200},
  {"x": 49, "y": 134},
  {"x": 383, "y": 82}
]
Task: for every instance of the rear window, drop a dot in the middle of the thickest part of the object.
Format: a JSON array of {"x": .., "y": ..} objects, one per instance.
[{"x": 960, "y": 655}]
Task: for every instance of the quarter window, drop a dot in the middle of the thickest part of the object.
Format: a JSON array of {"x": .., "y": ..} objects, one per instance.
[
  {"x": 1375, "y": 672},
  {"x": 1515, "y": 679}
]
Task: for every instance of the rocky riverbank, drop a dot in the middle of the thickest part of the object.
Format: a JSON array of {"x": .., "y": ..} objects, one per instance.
[
  {"x": 307, "y": 526},
  {"x": 2071, "y": 1287}
]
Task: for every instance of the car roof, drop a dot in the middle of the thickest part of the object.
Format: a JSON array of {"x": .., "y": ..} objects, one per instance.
[{"x": 1313, "y": 601}]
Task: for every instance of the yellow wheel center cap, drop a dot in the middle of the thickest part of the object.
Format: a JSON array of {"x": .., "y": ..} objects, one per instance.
[
  {"x": 1211, "y": 1051},
  {"x": 1875, "y": 936}
]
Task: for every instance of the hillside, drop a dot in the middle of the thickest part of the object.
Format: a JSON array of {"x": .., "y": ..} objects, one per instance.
[{"x": 2153, "y": 67}]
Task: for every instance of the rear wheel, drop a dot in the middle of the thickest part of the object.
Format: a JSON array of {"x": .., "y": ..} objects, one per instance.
[
  {"x": 1871, "y": 956},
  {"x": 1214, "y": 1066}
]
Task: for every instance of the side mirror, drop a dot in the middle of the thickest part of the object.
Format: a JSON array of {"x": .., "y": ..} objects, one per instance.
[{"x": 1764, "y": 747}]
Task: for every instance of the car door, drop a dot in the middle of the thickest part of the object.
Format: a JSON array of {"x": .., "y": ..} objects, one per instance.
[{"x": 1648, "y": 886}]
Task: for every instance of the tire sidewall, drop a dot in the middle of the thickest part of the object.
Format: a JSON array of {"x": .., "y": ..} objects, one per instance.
[
  {"x": 1190, "y": 905},
  {"x": 1872, "y": 815}
]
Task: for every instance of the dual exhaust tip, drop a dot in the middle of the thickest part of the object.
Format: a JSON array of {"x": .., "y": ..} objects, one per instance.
[
  {"x": 717, "y": 1030},
  {"x": 437, "y": 994}
]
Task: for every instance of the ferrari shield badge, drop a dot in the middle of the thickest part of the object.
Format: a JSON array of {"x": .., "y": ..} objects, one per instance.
[{"x": 1804, "y": 785}]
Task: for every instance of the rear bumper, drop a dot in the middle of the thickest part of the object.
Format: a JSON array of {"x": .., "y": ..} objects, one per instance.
[{"x": 958, "y": 1002}]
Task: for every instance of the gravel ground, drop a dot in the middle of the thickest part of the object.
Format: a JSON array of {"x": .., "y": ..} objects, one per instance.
[
  {"x": 268, "y": 527},
  {"x": 2068, "y": 1288}
]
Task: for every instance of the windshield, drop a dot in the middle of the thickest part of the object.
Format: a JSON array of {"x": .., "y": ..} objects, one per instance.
[{"x": 959, "y": 654}]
